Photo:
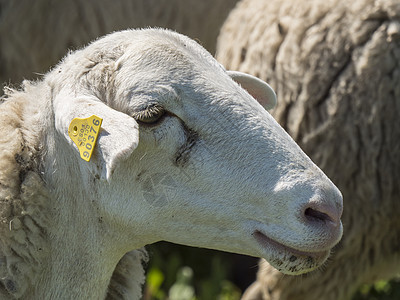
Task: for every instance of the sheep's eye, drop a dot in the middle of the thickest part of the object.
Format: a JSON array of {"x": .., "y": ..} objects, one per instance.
[{"x": 150, "y": 115}]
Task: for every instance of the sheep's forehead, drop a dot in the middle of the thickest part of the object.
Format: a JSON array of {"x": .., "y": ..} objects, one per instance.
[
  {"x": 164, "y": 51},
  {"x": 157, "y": 66}
]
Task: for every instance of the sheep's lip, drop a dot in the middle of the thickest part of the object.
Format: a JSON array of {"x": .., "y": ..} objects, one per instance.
[{"x": 267, "y": 242}]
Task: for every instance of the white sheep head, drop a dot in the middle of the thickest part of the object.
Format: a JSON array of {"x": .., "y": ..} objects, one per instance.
[{"x": 186, "y": 155}]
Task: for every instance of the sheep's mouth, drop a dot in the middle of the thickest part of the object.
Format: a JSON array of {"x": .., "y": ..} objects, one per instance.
[{"x": 289, "y": 260}]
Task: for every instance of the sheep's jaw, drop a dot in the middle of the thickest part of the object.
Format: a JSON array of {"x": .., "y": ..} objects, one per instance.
[{"x": 287, "y": 259}]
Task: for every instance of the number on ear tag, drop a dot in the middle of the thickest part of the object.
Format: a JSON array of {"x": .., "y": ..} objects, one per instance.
[{"x": 84, "y": 132}]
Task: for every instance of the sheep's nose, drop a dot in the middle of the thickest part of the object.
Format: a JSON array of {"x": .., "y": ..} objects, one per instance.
[
  {"x": 325, "y": 207},
  {"x": 322, "y": 213}
]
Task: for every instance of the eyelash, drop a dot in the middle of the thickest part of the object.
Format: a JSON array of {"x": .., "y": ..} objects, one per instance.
[{"x": 150, "y": 115}]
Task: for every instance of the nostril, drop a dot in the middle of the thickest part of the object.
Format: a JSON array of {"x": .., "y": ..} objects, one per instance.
[{"x": 315, "y": 215}]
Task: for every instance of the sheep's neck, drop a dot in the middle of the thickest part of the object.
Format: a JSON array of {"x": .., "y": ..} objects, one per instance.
[
  {"x": 81, "y": 262},
  {"x": 76, "y": 274},
  {"x": 84, "y": 247}
]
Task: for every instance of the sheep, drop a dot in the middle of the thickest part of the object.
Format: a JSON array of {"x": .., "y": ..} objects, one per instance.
[
  {"x": 36, "y": 35},
  {"x": 336, "y": 67},
  {"x": 184, "y": 154}
]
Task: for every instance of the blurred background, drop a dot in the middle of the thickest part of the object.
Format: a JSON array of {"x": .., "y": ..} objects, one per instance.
[{"x": 35, "y": 35}]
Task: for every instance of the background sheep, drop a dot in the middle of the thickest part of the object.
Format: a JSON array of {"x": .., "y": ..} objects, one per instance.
[
  {"x": 66, "y": 222},
  {"x": 336, "y": 68},
  {"x": 36, "y": 35}
]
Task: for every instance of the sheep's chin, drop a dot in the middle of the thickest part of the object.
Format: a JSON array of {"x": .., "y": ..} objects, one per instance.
[{"x": 289, "y": 260}]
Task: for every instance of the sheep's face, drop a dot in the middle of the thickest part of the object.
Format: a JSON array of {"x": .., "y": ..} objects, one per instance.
[{"x": 203, "y": 163}]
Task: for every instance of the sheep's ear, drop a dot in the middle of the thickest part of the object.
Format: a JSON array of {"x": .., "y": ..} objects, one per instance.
[
  {"x": 259, "y": 89},
  {"x": 118, "y": 135}
]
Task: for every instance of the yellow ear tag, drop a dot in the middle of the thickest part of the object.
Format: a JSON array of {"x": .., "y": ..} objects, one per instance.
[{"x": 84, "y": 132}]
